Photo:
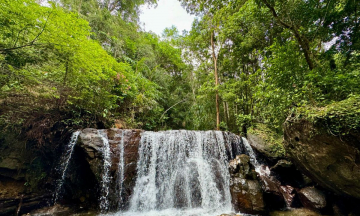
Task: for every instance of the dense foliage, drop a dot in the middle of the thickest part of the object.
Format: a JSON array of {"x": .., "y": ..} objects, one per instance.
[
  {"x": 87, "y": 63},
  {"x": 274, "y": 56},
  {"x": 85, "y": 67}
]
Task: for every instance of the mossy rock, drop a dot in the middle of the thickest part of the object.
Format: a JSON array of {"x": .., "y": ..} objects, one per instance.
[
  {"x": 338, "y": 118},
  {"x": 266, "y": 141},
  {"x": 325, "y": 144}
]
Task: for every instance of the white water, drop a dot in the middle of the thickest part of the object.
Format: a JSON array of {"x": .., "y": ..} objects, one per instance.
[
  {"x": 259, "y": 169},
  {"x": 121, "y": 168},
  {"x": 105, "y": 181},
  {"x": 64, "y": 163},
  {"x": 182, "y": 173},
  {"x": 179, "y": 173},
  {"x": 250, "y": 152}
]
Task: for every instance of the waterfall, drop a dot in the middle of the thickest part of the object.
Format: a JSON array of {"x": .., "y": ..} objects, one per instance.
[
  {"x": 250, "y": 152},
  {"x": 121, "y": 167},
  {"x": 183, "y": 173},
  {"x": 178, "y": 172},
  {"x": 105, "y": 181},
  {"x": 64, "y": 163}
]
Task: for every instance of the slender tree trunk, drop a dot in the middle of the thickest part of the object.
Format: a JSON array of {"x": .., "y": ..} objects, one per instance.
[
  {"x": 216, "y": 82},
  {"x": 225, "y": 116},
  {"x": 227, "y": 111}
]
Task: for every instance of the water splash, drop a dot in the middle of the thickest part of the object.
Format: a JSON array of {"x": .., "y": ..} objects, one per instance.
[
  {"x": 262, "y": 170},
  {"x": 64, "y": 163},
  {"x": 106, "y": 178}
]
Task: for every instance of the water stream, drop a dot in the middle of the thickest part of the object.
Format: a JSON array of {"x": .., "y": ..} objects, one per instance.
[
  {"x": 121, "y": 167},
  {"x": 106, "y": 178},
  {"x": 64, "y": 163}
]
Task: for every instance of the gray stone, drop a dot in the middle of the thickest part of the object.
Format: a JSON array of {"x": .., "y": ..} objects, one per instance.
[
  {"x": 331, "y": 161},
  {"x": 262, "y": 146},
  {"x": 312, "y": 198}
]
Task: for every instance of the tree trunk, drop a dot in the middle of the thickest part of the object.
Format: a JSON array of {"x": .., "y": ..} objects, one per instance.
[
  {"x": 302, "y": 40},
  {"x": 216, "y": 82}
]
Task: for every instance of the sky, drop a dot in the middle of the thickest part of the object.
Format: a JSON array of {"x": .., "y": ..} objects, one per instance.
[{"x": 166, "y": 14}]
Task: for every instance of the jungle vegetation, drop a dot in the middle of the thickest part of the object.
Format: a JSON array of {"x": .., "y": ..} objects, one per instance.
[{"x": 88, "y": 63}]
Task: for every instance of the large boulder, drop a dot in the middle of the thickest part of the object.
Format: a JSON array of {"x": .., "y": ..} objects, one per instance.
[
  {"x": 312, "y": 198},
  {"x": 331, "y": 161},
  {"x": 273, "y": 195},
  {"x": 266, "y": 142},
  {"x": 245, "y": 189}
]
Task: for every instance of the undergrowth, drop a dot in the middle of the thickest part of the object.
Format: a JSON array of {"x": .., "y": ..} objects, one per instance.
[{"x": 339, "y": 118}]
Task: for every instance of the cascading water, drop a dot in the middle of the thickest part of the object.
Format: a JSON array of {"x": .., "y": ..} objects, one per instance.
[
  {"x": 121, "y": 167},
  {"x": 105, "y": 181},
  {"x": 178, "y": 172},
  {"x": 250, "y": 152},
  {"x": 64, "y": 163},
  {"x": 183, "y": 173},
  {"x": 261, "y": 170}
]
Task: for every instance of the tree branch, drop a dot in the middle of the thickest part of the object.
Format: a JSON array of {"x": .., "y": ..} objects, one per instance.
[
  {"x": 32, "y": 42},
  {"x": 171, "y": 108},
  {"x": 303, "y": 41}
]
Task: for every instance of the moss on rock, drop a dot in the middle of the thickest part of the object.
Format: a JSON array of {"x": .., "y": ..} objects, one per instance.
[
  {"x": 266, "y": 141},
  {"x": 338, "y": 118}
]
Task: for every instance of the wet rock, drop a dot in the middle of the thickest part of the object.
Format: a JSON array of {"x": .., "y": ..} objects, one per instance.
[
  {"x": 312, "y": 198},
  {"x": 240, "y": 166},
  {"x": 271, "y": 186},
  {"x": 331, "y": 161},
  {"x": 91, "y": 143},
  {"x": 245, "y": 190},
  {"x": 295, "y": 212},
  {"x": 269, "y": 183},
  {"x": 246, "y": 195},
  {"x": 288, "y": 193}
]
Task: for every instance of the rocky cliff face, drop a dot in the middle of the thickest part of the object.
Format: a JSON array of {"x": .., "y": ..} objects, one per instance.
[
  {"x": 91, "y": 144},
  {"x": 332, "y": 161},
  {"x": 21, "y": 171}
]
